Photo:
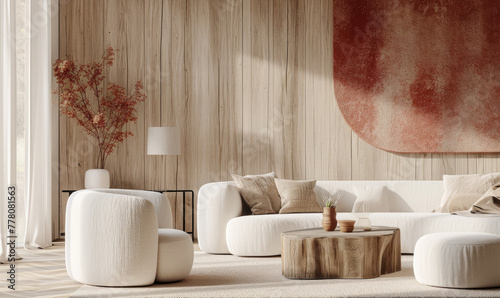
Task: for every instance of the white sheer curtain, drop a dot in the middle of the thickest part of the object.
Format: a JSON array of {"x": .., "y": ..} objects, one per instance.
[
  {"x": 39, "y": 146},
  {"x": 36, "y": 140},
  {"x": 7, "y": 114}
]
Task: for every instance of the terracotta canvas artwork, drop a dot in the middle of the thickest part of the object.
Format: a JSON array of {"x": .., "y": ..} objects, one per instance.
[{"x": 419, "y": 76}]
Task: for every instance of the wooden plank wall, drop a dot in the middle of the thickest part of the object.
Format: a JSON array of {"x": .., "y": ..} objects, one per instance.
[{"x": 250, "y": 85}]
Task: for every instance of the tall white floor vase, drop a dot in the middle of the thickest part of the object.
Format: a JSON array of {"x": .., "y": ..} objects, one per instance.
[{"x": 97, "y": 178}]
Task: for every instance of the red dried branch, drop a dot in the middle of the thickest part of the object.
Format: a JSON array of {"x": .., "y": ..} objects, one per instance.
[{"x": 103, "y": 110}]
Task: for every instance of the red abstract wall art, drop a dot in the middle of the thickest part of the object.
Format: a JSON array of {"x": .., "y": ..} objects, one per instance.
[{"x": 419, "y": 76}]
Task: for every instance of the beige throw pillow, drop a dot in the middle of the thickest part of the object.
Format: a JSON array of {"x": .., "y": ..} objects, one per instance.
[
  {"x": 297, "y": 196},
  {"x": 489, "y": 203},
  {"x": 259, "y": 192},
  {"x": 462, "y": 191}
]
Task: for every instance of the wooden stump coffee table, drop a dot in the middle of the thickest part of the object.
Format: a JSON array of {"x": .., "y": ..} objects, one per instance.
[{"x": 315, "y": 253}]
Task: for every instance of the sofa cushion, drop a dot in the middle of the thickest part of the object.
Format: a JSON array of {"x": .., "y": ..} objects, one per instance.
[
  {"x": 462, "y": 191},
  {"x": 404, "y": 196},
  {"x": 175, "y": 255},
  {"x": 260, "y": 235},
  {"x": 297, "y": 196},
  {"x": 371, "y": 199},
  {"x": 259, "y": 192}
]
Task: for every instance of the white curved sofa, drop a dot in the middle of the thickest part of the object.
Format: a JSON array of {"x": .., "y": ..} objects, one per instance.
[{"x": 225, "y": 226}]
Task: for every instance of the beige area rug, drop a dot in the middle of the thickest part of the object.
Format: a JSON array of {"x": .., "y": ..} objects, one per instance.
[{"x": 230, "y": 276}]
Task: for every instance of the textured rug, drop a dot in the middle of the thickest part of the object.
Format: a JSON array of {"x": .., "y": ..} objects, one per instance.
[
  {"x": 230, "y": 276},
  {"x": 419, "y": 76}
]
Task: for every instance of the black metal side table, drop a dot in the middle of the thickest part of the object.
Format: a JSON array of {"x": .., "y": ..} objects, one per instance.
[{"x": 184, "y": 191}]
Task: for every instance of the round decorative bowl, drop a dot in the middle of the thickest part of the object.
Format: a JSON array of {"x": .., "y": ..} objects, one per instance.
[{"x": 346, "y": 226}]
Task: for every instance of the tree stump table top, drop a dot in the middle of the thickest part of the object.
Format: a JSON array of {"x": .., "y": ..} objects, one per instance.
[{"x": 316, "y": 254}]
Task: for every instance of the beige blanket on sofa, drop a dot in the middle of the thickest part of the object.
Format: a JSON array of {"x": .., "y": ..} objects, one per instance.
[{"x": 488, "y": 205}]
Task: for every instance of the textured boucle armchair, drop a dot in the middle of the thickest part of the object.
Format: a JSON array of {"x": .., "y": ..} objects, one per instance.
[{"x": 118, "y": 237}]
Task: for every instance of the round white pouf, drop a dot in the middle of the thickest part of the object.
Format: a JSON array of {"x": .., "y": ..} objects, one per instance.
[
  {"x": 175, "y": 255},
  {"x": 458, "y": 260}
]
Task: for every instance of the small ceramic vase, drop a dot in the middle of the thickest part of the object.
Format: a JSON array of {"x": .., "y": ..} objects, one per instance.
[
  {"x": 329, "y": 219},
  {"x": 96, "y": 178}
]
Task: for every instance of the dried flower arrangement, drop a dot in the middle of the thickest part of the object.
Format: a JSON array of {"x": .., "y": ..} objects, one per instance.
[
  {"x": 330, "y": 200},
  {"x": 101, "y": 108}
]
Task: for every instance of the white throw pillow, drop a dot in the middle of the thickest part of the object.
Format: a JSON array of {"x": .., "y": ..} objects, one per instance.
[
  {"x": 461, "y": 191},
  {"x": 371, "y": 199}
]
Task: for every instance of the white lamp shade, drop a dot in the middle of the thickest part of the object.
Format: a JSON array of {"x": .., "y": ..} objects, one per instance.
[{"x": 164, "y": 141}]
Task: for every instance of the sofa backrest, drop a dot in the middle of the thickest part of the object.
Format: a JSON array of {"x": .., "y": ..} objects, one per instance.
[{"x": 404, "y": 196}]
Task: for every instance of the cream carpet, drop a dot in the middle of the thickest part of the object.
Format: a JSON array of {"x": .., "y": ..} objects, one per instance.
[{"x": 230, "y": 276}]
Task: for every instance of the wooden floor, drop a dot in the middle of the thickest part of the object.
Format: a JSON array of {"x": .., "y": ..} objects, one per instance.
[{"x": 40, "y": 273}]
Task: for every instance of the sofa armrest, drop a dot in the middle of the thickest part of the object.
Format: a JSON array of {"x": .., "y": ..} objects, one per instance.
[{"x": 217, "y": 204}]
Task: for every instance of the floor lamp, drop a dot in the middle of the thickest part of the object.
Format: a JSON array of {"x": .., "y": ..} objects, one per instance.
[
  {"x": 167, "y": 141},
  {"x": 164, "y": 141}
]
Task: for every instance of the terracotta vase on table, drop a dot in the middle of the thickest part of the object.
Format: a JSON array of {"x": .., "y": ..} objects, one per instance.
[{"x": 329, "y": 218}]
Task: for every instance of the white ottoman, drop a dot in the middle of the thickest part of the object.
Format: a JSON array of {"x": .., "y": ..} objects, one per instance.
[
  {"x": 175, "y": 255},
  {"x": 458, "y": 260}
]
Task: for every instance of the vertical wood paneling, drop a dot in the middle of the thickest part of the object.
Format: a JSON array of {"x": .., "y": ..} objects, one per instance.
[
  {"x": 368, "y": 162},
  {"x": 81, "y": 38},
  {"x": 190, "y": 151},
  {"x": 183, "y": 163},
  {"x": 204, "y": 86},
  {"x": 124, "y": 27},
  {"x": 281, "y": 118},
  {"x": 256, "y": 145},
  {"x": 152, "y": 112},
  {"x": 135, "y": 42},
  {"x": 401, "y": 167},
  {"x": 443, "y": 164},
  {"x": 295, "y": 108},
  {"x": 472, "y": 163},
  {"x": 168, "y": 163},
  {"x": 480, "y": 161},
  {"x": 270, "y": 89},
  {"x": 461, "y": 164},
  {"x": 229, "y": 37},
  {"x": 309, "y": 14},
  {"x": 319, "y": 90},
  {"x": 115, "y": 36},
  {"x": 249, "y": 84},
  {"x": 423, "y": 166},
  {"x": 340, "y": 134},
  {"x": 491, "y": 162}
]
